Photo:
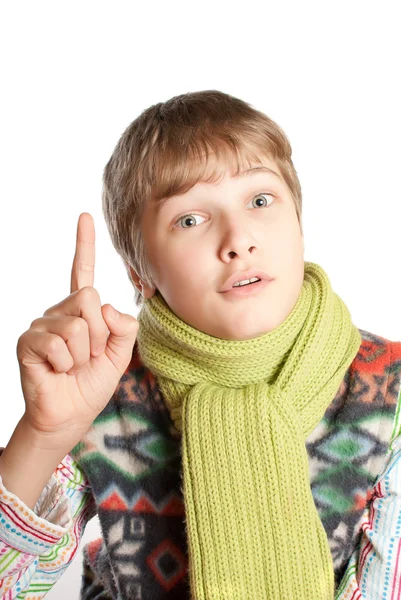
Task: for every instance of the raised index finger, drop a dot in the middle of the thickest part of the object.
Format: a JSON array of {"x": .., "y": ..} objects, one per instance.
[{"x": 83, "y": 267}]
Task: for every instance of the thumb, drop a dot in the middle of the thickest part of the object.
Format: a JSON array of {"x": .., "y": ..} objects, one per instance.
[{"x": 123, "y": 331}]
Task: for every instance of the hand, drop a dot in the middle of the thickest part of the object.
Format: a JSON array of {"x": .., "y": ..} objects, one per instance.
[{"x": 66, "y": 380}]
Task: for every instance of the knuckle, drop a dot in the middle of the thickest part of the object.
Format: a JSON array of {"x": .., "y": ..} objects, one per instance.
[
  {"x": 85, "y": 267},
  {"x": 54, "y": 344},
  {"x": 34, "y": 323},
  {"x": 134, "y": 324},
  {"x": 54, "y": 311},
  {"x": 89, "y": 294},
  {"x": 76, "y": 327}
]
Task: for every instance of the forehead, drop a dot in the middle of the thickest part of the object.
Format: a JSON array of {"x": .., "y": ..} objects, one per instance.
[
  {"x": 237, "y": 168},
  {"x": 228, "y": 166},
  {"x": 218, "y": 170}
]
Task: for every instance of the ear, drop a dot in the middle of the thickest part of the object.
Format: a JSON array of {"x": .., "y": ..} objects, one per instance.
[{"x": 146, "y": 291}]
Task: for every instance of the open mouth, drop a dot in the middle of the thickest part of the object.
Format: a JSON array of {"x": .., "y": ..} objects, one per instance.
[
  {"x": 247, "y": 289},
  {"x": 244, "y": 284}
]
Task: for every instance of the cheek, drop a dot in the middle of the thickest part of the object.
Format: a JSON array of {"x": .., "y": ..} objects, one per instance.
[
  {"x": 283, "y": 247},
  {"x": 182, "y": 268},
  {"x": 192, "y": 264}
]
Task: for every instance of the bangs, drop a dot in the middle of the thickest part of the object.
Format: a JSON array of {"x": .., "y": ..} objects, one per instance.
[{"x": 176, "y": 171}]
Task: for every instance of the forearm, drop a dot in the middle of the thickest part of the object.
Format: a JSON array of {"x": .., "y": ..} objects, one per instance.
[{"x": 29, "y": 460}]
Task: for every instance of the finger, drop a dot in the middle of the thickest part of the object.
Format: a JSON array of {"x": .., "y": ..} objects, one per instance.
[
  {"x": 40, "y": 347},
  {"x": 73, "y": 330},
  {"x": 83, "y": 266},
  {"x": 123, "y": 332},
  {"x": 84, "y": 303}
]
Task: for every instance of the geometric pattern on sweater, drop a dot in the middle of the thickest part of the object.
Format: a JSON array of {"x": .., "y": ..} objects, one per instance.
[
  {"x": 132, "y": 458},
  {"x": 132, "y": 454},
  {"x": 348, "y": 448}
]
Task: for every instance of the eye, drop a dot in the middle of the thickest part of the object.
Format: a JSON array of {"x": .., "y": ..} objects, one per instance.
[
  {"x": 191, "y": 218},
  {"x": 187, "y": 219},
  {"x": 259, "y": 196}
]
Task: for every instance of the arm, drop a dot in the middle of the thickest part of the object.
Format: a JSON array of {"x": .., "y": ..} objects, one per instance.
[
  {"x": 374, "y": 569},
  {"x": 36, "y": 546},
  {"x": 29, "y": 459}
]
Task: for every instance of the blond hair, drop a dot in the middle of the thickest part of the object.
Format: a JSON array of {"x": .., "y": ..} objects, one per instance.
[{"x": 165, "y": 151}]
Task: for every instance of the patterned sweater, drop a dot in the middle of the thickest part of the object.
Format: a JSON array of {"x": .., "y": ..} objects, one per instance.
[{"x": 36, "y": 546}]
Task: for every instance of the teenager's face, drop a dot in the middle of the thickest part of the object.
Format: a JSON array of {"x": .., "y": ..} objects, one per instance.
[{"x": 199, "y": 239}]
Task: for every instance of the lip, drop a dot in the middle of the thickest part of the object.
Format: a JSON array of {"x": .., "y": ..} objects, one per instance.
[
  {"x": 241, "y": 275},
  {"x": 247, "y": 290}
]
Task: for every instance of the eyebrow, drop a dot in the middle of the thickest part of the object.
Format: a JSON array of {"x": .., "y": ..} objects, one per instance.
[
  {"x": 257, "y": 170},
  {"x": 253, "y": 171}
]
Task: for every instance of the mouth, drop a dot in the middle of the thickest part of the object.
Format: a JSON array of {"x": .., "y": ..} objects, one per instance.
[
  {"x": 249, "y": 289},
  {"x": 247, "y": 275}
]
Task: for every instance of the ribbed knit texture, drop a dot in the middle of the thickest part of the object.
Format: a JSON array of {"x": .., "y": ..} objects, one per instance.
[{"x": 245, "y": 409}]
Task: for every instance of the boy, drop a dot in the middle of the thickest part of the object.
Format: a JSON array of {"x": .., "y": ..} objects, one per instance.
[{"x": 252, "y": 429}]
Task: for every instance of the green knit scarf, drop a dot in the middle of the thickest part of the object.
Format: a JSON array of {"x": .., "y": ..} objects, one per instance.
[{"x": 245, "y": 409}]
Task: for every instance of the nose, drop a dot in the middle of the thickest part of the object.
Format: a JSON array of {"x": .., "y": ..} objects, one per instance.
[{"x": 236, "y": 239}]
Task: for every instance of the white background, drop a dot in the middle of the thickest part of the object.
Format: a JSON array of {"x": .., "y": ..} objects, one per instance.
[{"x": 74, "y": 75}]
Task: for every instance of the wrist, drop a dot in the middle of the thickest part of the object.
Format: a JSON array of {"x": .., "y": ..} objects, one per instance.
[
  {"x": 60, "y": 442},
  {"x": 28, "y": 461}
]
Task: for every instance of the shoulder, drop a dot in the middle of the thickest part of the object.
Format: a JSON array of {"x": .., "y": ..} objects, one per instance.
[{"x": 377, "y": 354}]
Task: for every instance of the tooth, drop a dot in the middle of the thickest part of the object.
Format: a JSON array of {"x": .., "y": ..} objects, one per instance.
[
  {"x": 242, "y": 282},
  {"x": 246, "y": 282}
]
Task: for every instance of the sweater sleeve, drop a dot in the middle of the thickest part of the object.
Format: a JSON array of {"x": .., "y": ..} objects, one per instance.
[
  {"x": 36, "y": 546},
  {"x": 374, "y": 569}
]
